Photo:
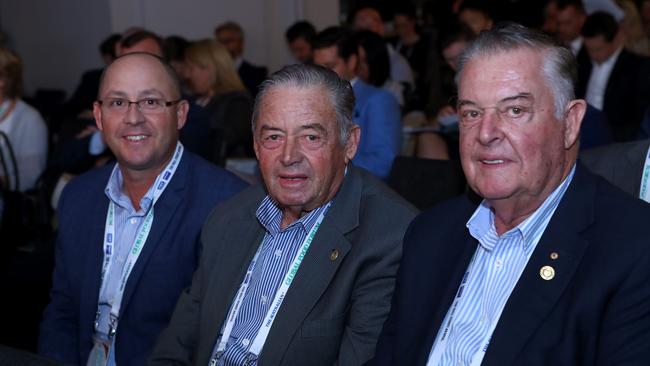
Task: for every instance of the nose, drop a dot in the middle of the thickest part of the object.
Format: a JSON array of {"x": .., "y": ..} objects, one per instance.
[
  {"x": 490, "y": 128},
  {"x": 133, "y": 114},
  {"x": 291, "y": 153}
]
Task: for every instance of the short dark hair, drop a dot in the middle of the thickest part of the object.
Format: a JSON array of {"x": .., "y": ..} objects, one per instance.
[
  {"x": 230, "y": 26},
  {"x": 377, "y": 56},
  {"x": 407, "y": 9},
  {"x": 107, "y": 47},
  {"x": 563, "y": 4},
  {"x": 600, "y": 23},
  {"x": 301, "y": 29},
  {"x": 131, "y": 39},
  {"x": 479, "y": 6},
  {"x": 454, "y": 32},
  {"x": 174, "y": 48},
  {"x": 342, "y": 38}
]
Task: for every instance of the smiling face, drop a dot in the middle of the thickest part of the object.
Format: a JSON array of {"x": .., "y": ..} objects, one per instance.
[
  {"x": 298, "y": 147},
  {"x": 141, "y": 142},
  {"x": 516, "y": 154}
]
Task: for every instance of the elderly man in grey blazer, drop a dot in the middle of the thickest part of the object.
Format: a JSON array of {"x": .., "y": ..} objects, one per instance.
[{"x": 299, "y": 271}]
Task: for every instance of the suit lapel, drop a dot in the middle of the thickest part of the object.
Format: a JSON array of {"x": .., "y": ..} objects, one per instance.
[
  {"x": 533, "y": 297},
  {"x": 164, "y": 211},
  {"x": 317, "y": 270}
]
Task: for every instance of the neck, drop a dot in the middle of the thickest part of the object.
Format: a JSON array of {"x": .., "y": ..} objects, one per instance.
[
  {"x": 411, "y": 39},
  {"x": 291, "y": 215},
  {"x": 136, "y": 184}
]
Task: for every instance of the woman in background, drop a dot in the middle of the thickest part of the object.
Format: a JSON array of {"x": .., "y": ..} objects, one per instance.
[
  {"x": 214, "y": 80},
  {"x": 23, "y": 125}
]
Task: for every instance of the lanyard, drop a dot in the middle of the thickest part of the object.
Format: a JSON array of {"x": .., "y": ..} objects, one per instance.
[
  {"x": 644, "y": 191},
  {"x": 280, "y": 294},
  {"x": 141, "y": 237}
]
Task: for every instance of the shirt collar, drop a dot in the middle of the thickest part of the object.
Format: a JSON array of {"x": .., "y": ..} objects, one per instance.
[
  {"x": 481, "y": 224},
  {"x": 270, "y": 216},
  {"x": 576, "y": 45},
  {"x": 611, "y": 60}
]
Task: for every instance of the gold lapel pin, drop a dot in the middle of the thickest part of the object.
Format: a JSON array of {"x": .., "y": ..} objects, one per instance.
[
  {"x": 547, "y": 273},
  {"x": 334, "y": 255},
  {"x": 554, "y": 256}
]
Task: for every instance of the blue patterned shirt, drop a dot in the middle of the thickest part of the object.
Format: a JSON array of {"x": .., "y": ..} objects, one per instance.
[
  {"x": 490, "y": 278},
  {"x": 278, "y": 249}
]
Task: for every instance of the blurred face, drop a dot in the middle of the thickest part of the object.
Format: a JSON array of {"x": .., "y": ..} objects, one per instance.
[
  {"x": 404, "y": 26},
  {"x": 369, "y": 19},
  {"x": 600, "y": 49},
  {"x": 232, "y": 41},
  {"x": 147, "y": 45},
  {"x": 298, "y": 147},
  {"x": 200, "y": 78},
  {"x": 329, "y": 57},
  {"x": 550, "y": 18},
  {"x": 452, "y": 53},
  {"x": 301, "y": 50},
  {"x": 142, "y": 140},
  {"x": 569, "y": 24},
  {"x": 475, "y": 20},
  {"x": 514, "y": 151}
]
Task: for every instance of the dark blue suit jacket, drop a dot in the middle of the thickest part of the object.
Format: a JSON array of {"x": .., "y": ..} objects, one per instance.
[
  {"x": 162, "y": 271},
  {"x": 595, "y": 311},
  {"x": 378, "y": 115}
]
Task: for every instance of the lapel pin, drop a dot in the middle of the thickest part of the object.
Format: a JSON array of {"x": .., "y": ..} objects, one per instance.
[
  {"x": 334, "y": 255},
  {"x": 554, "y": 256},
  {"x": 547, "y": 273}
]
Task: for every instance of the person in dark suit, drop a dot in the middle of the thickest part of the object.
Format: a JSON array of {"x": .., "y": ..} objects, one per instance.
[
  {"x": 621, "y": 164},
  {"x": 551, "y": 267},
  {"x": 375, "y": 111},
  {"x": 616, "y": 81},
  {"x": 231, "y": 35},
  {"x": 265, "y": 293},
  {"x": 128, "y": 232}
]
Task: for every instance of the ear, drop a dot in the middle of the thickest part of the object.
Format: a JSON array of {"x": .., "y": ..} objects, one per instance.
[
  {"x": 97, "y": 113},
  {"x": 573, "y": 120},
  {"x": 353, "y": 143},
  {"x": 351, "y": 64},
  {"x": 181, "y": 113}
]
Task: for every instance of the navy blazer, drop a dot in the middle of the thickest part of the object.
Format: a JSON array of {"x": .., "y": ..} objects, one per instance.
[
  {"x": 377, "y": 113},
  {"x": 595, "y": 311},
  {"x": 162, "y": 271}
]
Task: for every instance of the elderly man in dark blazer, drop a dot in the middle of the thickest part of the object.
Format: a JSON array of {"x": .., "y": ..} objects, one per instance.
[
  {"x": 552, "y": 266},
  {"x": 130, "y": 230},
  {"x": 265, "y": 293}
]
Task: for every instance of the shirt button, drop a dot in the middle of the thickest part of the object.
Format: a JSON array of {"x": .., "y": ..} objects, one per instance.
[
  {"x": 245, "y": 342},
  {"x": 134, "y": 221},
  {"x": 263, "y": 299},
  {"x": 498, "y": 263},
  {"x": 278, "y": 253}
]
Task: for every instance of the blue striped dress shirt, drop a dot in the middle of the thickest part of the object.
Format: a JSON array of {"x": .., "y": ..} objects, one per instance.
[
  {"x": 497, "y": 264},
  {"x": 278, "y": 249}
]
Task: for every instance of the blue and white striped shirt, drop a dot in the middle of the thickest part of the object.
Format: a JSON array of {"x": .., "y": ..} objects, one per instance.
[
  {"x": 278, "y": 249},
  {"x": 493, "y": 273}
]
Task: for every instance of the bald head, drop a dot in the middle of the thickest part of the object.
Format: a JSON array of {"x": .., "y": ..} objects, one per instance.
[{"x": 141, "y": 61}]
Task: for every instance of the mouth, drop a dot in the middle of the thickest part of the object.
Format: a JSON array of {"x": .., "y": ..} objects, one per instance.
[
  {"x": 290, "y": 180},
  {"x": 136, "y": 138},
  {"x": 492, "y": 161}
]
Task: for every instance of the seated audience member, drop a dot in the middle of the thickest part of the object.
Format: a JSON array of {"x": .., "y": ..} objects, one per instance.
[
  {"x": 299, "y": 38},
  {"x": 616, "y": 81},
  {"x": 299, "y": 270},
  {"x": 570, "y": 17},
  {"x": 23, "y": 126},
  {"x": 476, "y": 15},
  {"x": 174, "y": 50},
  {"x": 636, "y": 40},
  {"x": 549, "y": 18},
  {"x": 369, "y": 18},
  {"x": 374, "y": 66},
  {"x": 622, "y": 165},
  {"x": 218, "y": 88},
  {"x": 375, "y": 110},
  {"x": 552, "y": 266},
  {"x": 128, "y": 238},
  {"x": 231, "y": 35}
]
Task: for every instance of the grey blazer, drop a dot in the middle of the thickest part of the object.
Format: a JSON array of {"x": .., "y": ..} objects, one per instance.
[
  {"x": 621, "y": 164},
  {"x": 339, "y": 299}
]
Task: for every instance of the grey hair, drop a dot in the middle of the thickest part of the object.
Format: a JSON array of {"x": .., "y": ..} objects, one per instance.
[
  {"x": 558, "y": 65},
  {"x": 313, "y": 76}
]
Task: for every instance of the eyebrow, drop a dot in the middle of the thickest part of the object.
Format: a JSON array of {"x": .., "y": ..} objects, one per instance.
[
  {"x": 525, "y": 95},
  {"x": 143, "y": 93},
  {"x": 310, "y": 126}
]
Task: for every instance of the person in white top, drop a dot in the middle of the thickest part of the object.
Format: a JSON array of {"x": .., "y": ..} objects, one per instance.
[{"x": 23, "y": 125}]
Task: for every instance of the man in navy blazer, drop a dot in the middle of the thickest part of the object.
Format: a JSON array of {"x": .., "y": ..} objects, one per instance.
[
  {"x": 376, "y": 111},
  {"x": 136, "y": 222},
  {"x": 552, "y": 266}
]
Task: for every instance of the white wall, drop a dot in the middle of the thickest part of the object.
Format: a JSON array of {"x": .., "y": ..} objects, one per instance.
[{"x": 58, "y": 39}]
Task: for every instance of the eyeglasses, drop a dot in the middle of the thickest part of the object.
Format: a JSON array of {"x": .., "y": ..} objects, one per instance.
[
  {"x": 518, "y": 111},
  {"x": 146, "y": 105}
]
